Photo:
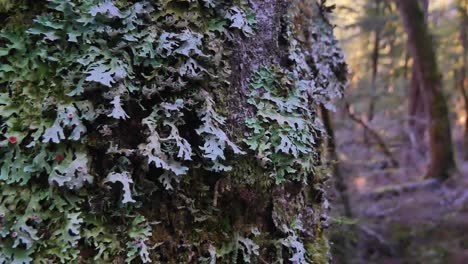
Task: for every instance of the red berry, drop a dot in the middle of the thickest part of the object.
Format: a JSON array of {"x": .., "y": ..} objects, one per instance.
[
  {"x": 13, "y": 139},
  {"x": 59, "y": 158}
]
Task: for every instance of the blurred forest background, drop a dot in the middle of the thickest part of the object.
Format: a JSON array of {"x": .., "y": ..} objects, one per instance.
[{"x": 401, "y": 187}]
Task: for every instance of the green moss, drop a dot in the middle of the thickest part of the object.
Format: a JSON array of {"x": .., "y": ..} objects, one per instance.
[
  {"x": 7, "y": 5},
  {"x": 318, "y": 251},
  {"x": 249, "y": 172}
]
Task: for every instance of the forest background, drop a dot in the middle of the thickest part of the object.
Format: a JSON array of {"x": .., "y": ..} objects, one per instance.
[{"x": 392, "y": 210}]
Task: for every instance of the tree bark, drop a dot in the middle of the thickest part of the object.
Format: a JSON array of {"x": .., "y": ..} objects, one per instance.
[
  {"x": 375, "y": 64},
  {"x": 442, "y": 161},
  {"x": 375, "y": 69},
  {"x": 418, "y": 111},
  {"x": 462, "y": 80},
  {"x": 340, "y": 182},
  {"x": 209, "y": 151}
]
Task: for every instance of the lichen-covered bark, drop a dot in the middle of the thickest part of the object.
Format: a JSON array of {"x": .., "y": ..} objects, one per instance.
[
  {"x": 165, "y": 131},
  {"x": 266, "y": 47},
  {"x": 276, "y": 208}
]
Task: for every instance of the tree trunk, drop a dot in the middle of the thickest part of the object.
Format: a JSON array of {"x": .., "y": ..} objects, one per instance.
[
  {"x": 340, "y": 182},
  {"x": 418, "y": 111},
  {"x": 375, "y": 64},
  {"x": 462, "y": 81},
  {"x": 374, "y": 74},
  {"x": 343, "y": 240},
  {"x": 421, "y": 48},
  {"x": 165, "y": 131}
]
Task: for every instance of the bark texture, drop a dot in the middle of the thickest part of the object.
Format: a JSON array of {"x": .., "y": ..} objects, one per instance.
[{"x": 205, "y": 143}]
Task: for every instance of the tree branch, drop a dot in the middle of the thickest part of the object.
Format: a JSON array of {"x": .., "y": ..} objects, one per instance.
[{"x": 380, "y": 142}]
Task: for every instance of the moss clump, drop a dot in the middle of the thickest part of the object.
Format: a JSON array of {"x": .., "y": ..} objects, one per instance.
[{"x": 318, "y": 250}]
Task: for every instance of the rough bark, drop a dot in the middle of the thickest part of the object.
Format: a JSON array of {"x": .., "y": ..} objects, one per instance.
[
  {"x": 279, "y": 205},
  {"x": 195, "y": 93},
  {"x": 442, "y": 161}
]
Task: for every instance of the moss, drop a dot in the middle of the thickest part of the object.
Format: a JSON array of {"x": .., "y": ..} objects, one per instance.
[
  {"x": 7, "y": 5},
  {"x": 318, "y": 251},
  {"x": 249, "y": 172}
]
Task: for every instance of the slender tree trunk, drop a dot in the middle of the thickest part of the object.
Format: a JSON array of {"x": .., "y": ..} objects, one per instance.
[
  {"x": 442, "y": 161},
  {"x": 344, "y": 240},
  {"x": 462, "y": 80},
  {"x": 406, "y": 66},
  {"x": 374, "y": 73},
  {"x": 340, "y": 182},
  {"x": 375, "y": 66},
  {"x": 418, "y": 111}
]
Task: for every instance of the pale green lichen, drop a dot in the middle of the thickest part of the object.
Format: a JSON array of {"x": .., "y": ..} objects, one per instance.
[
  {"x": 112, "y": 50},
  {"x": 109, "y": 125},
  {"x": 283, "y": 128}
]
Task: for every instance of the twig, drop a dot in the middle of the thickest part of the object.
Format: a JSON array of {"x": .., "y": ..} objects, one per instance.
[{"x": 386, "y": 151}]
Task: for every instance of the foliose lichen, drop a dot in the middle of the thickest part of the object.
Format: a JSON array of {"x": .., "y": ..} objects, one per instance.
[{"x": 110, "y": 136}]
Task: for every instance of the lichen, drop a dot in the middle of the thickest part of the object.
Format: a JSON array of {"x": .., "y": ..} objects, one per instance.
[{"x": 121, "y": 138}]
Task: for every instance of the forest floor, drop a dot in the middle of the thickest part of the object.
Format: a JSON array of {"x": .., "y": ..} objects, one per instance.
[{"x": 397, "y": 216}]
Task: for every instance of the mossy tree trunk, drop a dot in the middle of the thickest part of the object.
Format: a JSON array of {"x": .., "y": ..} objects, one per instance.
[
  {"x": 421, "y": 47},
  {"x": 165, "y": 131}
]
